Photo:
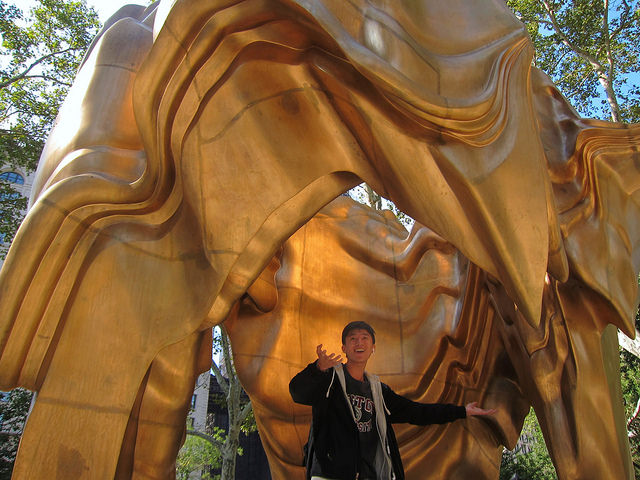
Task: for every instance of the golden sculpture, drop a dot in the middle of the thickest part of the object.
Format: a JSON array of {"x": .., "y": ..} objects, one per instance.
[{"x": 200, "y": 135}]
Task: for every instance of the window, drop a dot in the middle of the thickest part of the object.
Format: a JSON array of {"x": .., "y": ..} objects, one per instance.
[
  {"x": 7, "y": 199},
  {"x": 12, "y": 177}
]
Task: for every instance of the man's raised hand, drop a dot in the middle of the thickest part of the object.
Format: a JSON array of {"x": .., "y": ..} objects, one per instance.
[
  {"x": 325, "y": 362},
  {"x": 473, "y": 409}
]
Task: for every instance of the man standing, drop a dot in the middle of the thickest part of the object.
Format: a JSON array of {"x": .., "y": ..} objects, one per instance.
[{"x": 351, "y": 436}]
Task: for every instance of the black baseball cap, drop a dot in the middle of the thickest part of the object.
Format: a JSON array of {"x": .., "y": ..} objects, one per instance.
[{"x": 358, "y": 325}]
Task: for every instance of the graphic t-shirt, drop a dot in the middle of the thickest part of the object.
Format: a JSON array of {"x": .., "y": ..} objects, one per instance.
[{"x": 359, "y": 394}]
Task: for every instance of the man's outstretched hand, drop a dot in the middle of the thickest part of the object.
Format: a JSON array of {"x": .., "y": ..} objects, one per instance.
[
  {"x": 474, "y": 409},
  {"x": 325, "y": 362}
]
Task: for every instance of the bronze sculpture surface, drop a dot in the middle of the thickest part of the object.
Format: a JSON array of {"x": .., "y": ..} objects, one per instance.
[{"x": 200, "y": 136}]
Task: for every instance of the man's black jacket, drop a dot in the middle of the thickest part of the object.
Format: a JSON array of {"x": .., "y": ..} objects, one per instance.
[{"x": 334, "y": 437}]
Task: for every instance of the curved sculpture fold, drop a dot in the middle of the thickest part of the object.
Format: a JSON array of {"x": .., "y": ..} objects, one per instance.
[
  {"x": 435, "y": 328},
  {"x": 199, "y": 92},
  {"x": 200, "y": 135}
]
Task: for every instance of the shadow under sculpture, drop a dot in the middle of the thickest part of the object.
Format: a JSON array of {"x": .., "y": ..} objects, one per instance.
[{"x": 200, "y": 135}]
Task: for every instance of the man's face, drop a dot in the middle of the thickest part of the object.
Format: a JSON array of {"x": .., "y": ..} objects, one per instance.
[{"x": 358, "y": 346}]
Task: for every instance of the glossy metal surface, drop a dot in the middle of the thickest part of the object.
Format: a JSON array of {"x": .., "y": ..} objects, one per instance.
[
  {"x": 200, "y": 135},
  {"x": 436, "y": 337}
]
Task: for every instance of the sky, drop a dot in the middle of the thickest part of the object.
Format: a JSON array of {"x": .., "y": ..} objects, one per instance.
[{"x": 105, "y": 8}]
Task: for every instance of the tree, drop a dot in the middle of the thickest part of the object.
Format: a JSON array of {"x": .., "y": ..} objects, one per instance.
[
  {"x": 590, "y": 49},
  {"x": 363, "y": 193},
  {"x": 630, "y": 381},
  {"x": 14, "y": 407},
  {"x": 530, "y": 459},
  {"x": 40, "y": 55},
  {"x": 197, "y": 455},
  {"x": 220, "y": 447}
]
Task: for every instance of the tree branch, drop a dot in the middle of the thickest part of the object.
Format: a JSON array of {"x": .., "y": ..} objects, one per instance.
[
  {"x": 224, "y": 384},
  {"x": 244, "y": 412},
  {"x": 524, "y": 19},
  {"x": 24, "y": 74},
  {"x": 605, "y": 27},
  {"x": 608, "y": 85},
  {"x": 375, "y": 201},
  {"x": 217, "y": 443},
  {"x": 564, "y": 39},
  {"x": 576, "y": 89},
  {"x": 631, "y": 346},
  {"x": 635, "y": 415},
  {"x": 626, "y": 19},
  {"x": 7, "y": 114},
  {"x": 557, "y": 62},
  {"x": 47, "y": 77},
  {"x": 605, "y": 76},
  {"x": 227, "y": 354}
]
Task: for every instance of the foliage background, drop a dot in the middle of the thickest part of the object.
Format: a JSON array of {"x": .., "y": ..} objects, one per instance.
[{"x": 40, "y": 54}]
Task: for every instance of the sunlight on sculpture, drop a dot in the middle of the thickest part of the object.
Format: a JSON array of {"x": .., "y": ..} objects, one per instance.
[{"x": 180, "y": 188}]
